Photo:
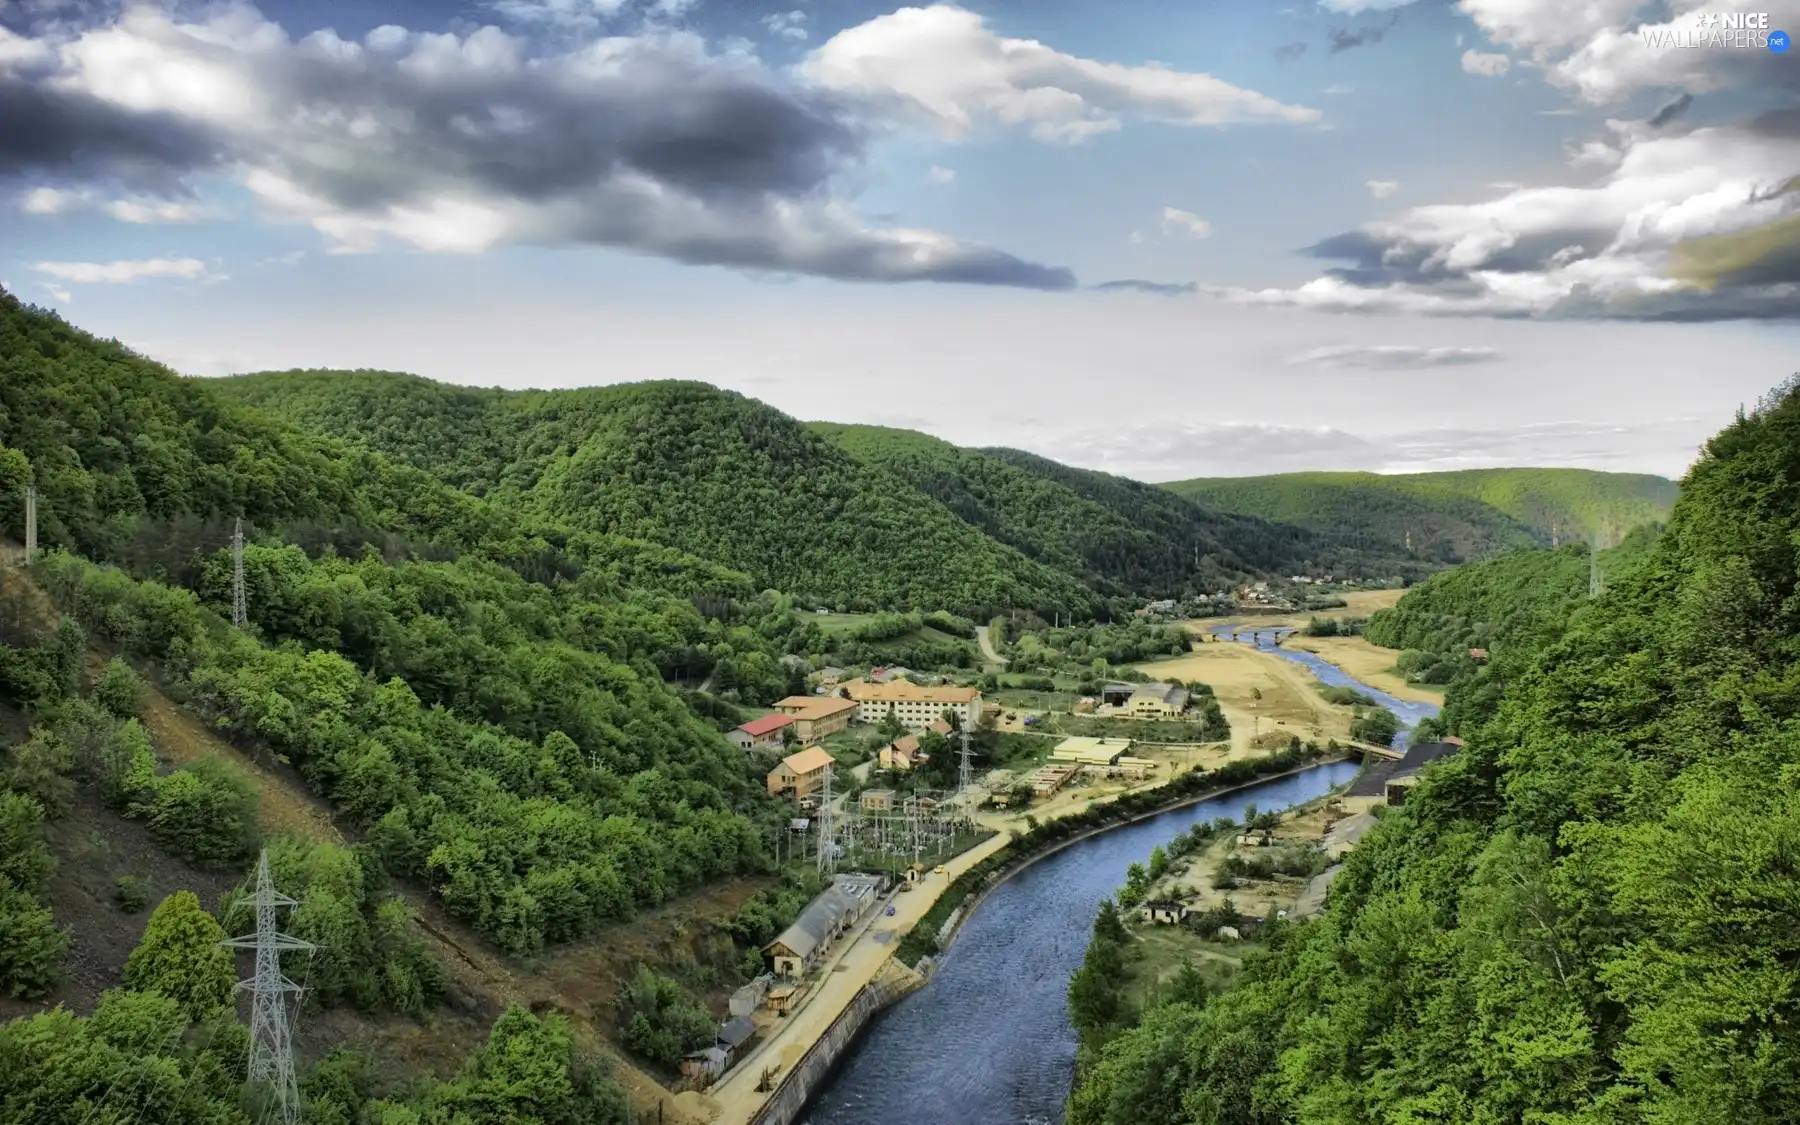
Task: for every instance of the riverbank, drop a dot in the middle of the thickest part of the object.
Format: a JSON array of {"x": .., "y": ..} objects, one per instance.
[{"x": 911, "y": 932}]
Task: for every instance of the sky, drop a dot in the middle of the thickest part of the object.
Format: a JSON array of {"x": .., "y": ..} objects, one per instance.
[{"x": 1223, "y": 237}]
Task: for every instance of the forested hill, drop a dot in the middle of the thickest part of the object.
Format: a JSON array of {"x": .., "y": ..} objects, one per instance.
[
  {"x": 1449, "y": 517},
  {"x": 687, "y": 465},
  {"x": 1591, "y": 913},
  {"x": 1118, "y": 535}
]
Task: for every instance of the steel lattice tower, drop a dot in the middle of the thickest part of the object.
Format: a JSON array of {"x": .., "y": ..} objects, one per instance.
[
  {"x": 965, "y": 771},
  {"x": 30, "y": 523},
  {"x": 271, "y": 1041},
  {"x": 240, "y": 605},
  {"x": 827, "y": 861}
]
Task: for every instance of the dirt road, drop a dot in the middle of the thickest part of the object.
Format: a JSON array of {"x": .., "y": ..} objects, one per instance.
[{"x": 984, "y": 635}]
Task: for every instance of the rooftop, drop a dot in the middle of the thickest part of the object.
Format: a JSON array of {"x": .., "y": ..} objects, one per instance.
[
  {"x": 905, "y": 691},
  {"x": 1162, "y": 693},
  {"x": 813, "y": 706},
  {"x": 808, "y": 760},
  {"x": 1091, "y": 751},
  {"x": 768, "y": 724}
]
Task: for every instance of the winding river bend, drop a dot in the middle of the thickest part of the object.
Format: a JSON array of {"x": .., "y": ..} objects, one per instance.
[{"x": 987, "y": 1041}]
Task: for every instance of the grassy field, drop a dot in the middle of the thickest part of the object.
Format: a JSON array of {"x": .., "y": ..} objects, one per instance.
[{"x": 1161, "y": 951}]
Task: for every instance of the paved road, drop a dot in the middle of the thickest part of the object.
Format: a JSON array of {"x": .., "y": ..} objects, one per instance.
[{"x": 984, "y": 635}]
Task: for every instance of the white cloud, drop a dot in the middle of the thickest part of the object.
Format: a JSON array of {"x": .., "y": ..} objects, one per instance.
[
  {"x": 1138, "y": 238},
  {"x": 1485, "y": 63},
  {"x": 58, "y": 292},
  {"x": 941, "y": 175},
  {"x": 1177, "y": 221},
  {"x": 123, "y": 272},
  {"x": 1594, "y": 154},
  {"x": 1392, "y": 357},
  {"x": 463, "y": 142},
  {"x": 1381, "y": 189},
  {"x": 787, "y": 25},
  {"x": 1339, "y": 91},
  {"x": 1608, "y": 49},
  {"x": 48, "y": 201},
  {"x": 948, "y": 69},
  {"x": 1700, "y": 226}
]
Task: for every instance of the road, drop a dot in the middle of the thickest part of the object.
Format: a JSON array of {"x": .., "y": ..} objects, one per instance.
[
  {"x": 858, "y": 959},
  {"x": 984, "y": 635}
]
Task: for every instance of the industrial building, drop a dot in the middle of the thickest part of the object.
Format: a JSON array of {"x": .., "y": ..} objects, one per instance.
[
  {"x": 799, "y": 947},
  {"x": 800, "y": 775},
  {"x": 1157, "y": 701},
  {"x": 816, "y": 716},
  {"x": 1091, "y": 751},
  {"x": 916, "y": 707}
]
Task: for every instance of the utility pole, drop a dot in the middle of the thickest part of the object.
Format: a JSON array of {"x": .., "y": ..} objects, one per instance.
[
  {"x": 240, "y": 607},
  {"x": 827, "y": 861},
  {"x": 30, "y": 522},
  {"x": 965, "y": 770},
  {"x": 271, "y": 1042}
]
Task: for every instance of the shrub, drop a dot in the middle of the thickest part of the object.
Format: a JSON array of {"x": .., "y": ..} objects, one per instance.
[
  {"x": 119, "y": 690},
  {"x": 180, "y": 957},
  {"x": 31, "y": 946},
  {"x": 206, "y": 814},
  {"x": 131, "y": 893}
]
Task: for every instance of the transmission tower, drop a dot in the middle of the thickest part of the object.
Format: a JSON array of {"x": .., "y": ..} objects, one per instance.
[
  {"x": 30, "y": 523},
  {"x": 271, "y": 1043},
  {"x": 240, "y": 606},
  {"x": 827, "y": 860},
  {"x": 965, "y": 771}
]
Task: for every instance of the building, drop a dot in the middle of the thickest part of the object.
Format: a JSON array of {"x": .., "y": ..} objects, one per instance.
[
  {"x": 706, "y": 1064},
  {"x": 901, "y": 754},
  {"x": 1157, "y": 701},
  {"x": 830, "y": 676},
  {"x": 735, "y": 1036},
  {"x": 1478, "y": 655},
  {"x": 1048, "y": 779},
  {"x": 747, "y": 999},
  {"x": 800, "y": 774},
  {"x": 826, "y": 918},
  {"x": 878, "y": 800},
  {"x": 816, "y": 716},
  {"x": 1117, "y": 695},
  {"x": 765, "y": 733},
  {"x": 1375, "y": 785},
  {"x": 782, "y": 998},
  {"x": 1133, "y": 768},
  {"x": 1091, "y": 751},
  {"x": 1311, "y": 903},
  {"x": 1343, "y": 835},
  {"x": 1165, "y": 912},
  {"x": 915, "y": 706},
  {"x": 888, "y": 675}
]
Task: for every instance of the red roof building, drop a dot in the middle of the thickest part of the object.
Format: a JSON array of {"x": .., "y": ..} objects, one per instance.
[{"x": 766, "y": 733}]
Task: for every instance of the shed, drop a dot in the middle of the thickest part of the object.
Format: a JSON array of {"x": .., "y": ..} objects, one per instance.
[
  {"x": 781, "y": 998},
  {"x": 1165, "y": 912},
  {"x": 750, "y": 997},
  {"x": 735, "y": 1033},
  {"x": 878, "y": 800},
  {"x": 706, "y": 1063}
]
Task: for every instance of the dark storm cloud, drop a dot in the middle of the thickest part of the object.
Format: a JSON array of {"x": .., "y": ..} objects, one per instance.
[
  {"x": 1381, "y": 259},
  {"x": 652, "y": 144},
  {"x": 1288, "y": 52},
  {"x": 71, "y": 134},
  {"x": 1161, "y": 288},
  {"x": 1671, "y": 111}
]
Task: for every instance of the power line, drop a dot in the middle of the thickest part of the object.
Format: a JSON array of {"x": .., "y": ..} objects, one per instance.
[
  {"x": 271, "y": 1034},
  {"x": 240, "y": 606}
]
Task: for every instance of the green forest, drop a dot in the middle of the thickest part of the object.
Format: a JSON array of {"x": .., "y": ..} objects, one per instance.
[
  {"x": 1448, "y": 517},
  {"x": 1589, "y": 914}
]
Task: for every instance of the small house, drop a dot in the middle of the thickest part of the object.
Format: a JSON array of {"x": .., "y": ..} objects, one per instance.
[
  {"x": 706, "y": 1064},
  {"x": 831, "y": 676},
  {"x": 766, "y": 733},
  {"x": 1261, "y": 838},
  {"x": 1478, "y": 655},
  {"x": 782, "y": 998},
  {"x": 902, "y": 754},
  {"x": 915, "y": 872},
  {"x": 1229, "y": 933},
  {"x": 747, "y": 999},
  {"x": 878, "y": 800},
  {"x": 735, "y": 1036},
  {"x": 939, "y": 726},
  {"x": 815, "y": 717},
  {"x": 1164, "y": 912}
]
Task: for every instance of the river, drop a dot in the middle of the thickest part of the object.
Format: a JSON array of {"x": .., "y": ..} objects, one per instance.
[
  {"x": 987, "y": 1040},
  {"x": 1409, "y": 712}
]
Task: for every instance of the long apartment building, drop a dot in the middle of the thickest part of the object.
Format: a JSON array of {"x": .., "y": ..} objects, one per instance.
[{"x": 916, "y": 707}]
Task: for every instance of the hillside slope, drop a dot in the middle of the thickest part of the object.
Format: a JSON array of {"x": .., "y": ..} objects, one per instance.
[
  {"x": 1448, "y": 517},
  {"x": 1116, "y": 535},
  {"x": 684, "y": 464},
  {"x": 1588, "y": 913}
]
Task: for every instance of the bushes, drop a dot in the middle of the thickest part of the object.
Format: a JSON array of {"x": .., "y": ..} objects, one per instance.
[
  {"x": 1345, "y": 697},
  {"x": 206, "y": 814},
  {"x": 31, "y": 946},
  {"x": 369, "y": 953},
  {"x": 660, "y": 1021},
  {"x": 1376, "y": 725},
  {"x": 180, "y": 957}
]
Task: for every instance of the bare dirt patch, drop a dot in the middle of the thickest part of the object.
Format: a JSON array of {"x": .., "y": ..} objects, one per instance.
[{"x": 1259, "y": 693}]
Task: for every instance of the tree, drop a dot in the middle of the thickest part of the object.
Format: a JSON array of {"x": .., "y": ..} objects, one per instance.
[
  {"x": 206, "y": 814},
  {"x": 119, "y": 689},
  {"x": 40, "y": 767},
  {"x": 25, "y": 861},
  {"x": 181, "y": 958},
  {"x": 31, "y": 945}
]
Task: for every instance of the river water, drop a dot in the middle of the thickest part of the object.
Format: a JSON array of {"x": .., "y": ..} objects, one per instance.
[
  {"x": 987, "y": 1040},
  {"x": 1330, "y": 674}
]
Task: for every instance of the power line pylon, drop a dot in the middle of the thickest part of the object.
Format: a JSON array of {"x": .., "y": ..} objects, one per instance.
[
  {"x": 30, "y": 523},
  {"x": 271, "y": 1038},
  {"x": 827, "y": 860},
  {"x": 240, "y": 604},
  {"x": 965, "y": 770}
]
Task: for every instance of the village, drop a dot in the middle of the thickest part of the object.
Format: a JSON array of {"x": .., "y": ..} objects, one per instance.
[{"x": 888, "y": 801}]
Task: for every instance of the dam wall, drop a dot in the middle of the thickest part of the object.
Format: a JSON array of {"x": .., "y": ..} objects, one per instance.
[{"x": 788, "y": 1102}]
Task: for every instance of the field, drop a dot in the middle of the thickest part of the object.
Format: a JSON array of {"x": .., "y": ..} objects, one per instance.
[
  {"x": 1161, "y": 950},
  {"x": 1369, "y": 663},
  {"x": 1260, "y": 694}
]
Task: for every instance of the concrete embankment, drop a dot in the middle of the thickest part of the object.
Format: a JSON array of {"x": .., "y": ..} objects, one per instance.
[{"x": 798, "y": 1085}]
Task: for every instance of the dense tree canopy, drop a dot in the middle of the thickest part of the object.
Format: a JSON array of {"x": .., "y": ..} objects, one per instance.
[{"x": 1588, "y": 915}]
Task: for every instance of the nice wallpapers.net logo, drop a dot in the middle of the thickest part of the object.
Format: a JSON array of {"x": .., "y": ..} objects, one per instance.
[{"x": 1729, "y": 31}]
